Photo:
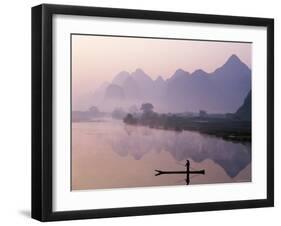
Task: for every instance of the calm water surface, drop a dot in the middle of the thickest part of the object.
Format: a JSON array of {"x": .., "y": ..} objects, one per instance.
[{"x": 109, "y": 154}]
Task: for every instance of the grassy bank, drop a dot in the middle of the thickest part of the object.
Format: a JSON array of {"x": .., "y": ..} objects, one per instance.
[{"x": 228, "y": 129}]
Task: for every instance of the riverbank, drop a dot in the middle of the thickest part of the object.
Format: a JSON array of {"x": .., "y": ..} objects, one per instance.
[{"x": 228, "y": 129}]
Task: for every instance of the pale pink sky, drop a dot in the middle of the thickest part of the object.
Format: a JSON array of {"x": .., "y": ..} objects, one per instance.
[{"x": 96, "y": 59}]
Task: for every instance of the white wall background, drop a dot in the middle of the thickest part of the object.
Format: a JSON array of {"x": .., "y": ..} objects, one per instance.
[{"x": 15, "y": 118}]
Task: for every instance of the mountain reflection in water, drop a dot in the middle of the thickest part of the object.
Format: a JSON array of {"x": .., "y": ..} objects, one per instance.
[
  {"x": 94, "y": 142},
  {"x": 232, "y": 157}
]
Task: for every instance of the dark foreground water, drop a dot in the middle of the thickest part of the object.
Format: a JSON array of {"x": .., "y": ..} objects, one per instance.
[{"x": 109, "y": 154}]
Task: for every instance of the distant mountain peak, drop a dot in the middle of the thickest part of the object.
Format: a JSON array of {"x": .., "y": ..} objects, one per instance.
[
  {"x": 233, "y": 59},
  {"x": 139, "y": 71},
  {"x": 123, "y": 72},
  {"x": 181, "y": 71},
  {"x": 139, "y": 74},
  {"x": 120, "y": 77},
  {"x": 199, "y": 72},
  {"x": 233, "y": 64}
]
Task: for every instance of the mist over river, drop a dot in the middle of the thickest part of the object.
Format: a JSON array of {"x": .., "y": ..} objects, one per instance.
[{"x": 108, "y": 153}]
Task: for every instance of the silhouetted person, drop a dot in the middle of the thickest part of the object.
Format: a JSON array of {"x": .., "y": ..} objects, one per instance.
[{"x": 187, "y": 172}]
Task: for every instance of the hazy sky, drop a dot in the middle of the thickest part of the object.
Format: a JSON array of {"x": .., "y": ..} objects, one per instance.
[{"x": 96, "y": 59}]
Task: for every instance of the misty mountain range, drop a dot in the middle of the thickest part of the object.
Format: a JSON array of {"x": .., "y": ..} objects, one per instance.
[{"x": 221, "y": 91}]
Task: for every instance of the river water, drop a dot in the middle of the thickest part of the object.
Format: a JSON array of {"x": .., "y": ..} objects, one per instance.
[{"x": 110, "y": 154}]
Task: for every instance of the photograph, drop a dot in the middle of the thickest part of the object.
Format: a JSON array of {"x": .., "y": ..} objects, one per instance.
[{"x": 152, "y": 111}]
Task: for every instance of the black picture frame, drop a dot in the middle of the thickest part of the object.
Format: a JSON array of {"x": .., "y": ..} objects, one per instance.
[{"x": 42, "y": 106}]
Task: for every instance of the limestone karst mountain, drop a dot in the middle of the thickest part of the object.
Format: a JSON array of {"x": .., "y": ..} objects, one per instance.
[{"x": 221, "y": 91}]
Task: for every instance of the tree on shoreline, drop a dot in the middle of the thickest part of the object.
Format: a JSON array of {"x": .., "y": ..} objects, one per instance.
[
  {"x": 129, "y": 119},
  {"x": 147, "y": 108}
]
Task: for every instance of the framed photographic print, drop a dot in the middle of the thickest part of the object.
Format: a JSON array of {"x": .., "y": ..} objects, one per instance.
[{"x": 140, "y": 112}]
